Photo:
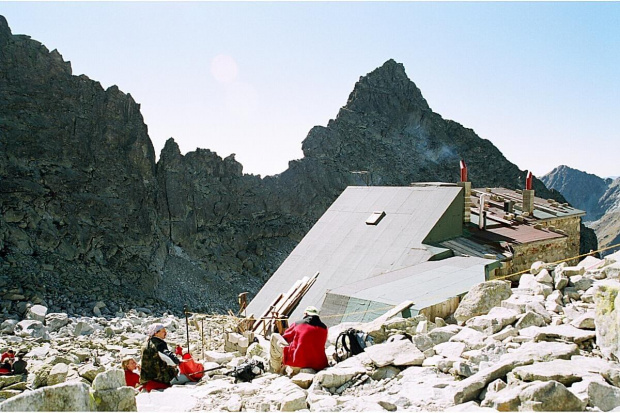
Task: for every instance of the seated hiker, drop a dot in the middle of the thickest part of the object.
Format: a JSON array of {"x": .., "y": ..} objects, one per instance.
[
  {"x": 129, "y": 365},
  {"x": 159, "y": 369},
  {"x": 302, "y": 345},
  {"x": 6, "y": 361},
  {"x": 19, "y": 366}
]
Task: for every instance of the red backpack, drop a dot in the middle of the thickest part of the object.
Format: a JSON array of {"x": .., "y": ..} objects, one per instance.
[{"x": 194, "y": 371}]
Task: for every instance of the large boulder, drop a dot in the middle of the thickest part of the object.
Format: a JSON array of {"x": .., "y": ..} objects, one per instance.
[
  {"x": 61, "y": 397},
  {"x": 396, "y": 353},
  {"x": 8, "y": 326},
  {"x": 55, "y": 321},
  {"x": 494, "y": 321},
  {"x": 90, "y": 371},
  {"x": 122, "y": 399},
  {"x": 337, "y": 376},
  {"x": 527, "y": 354},
  {"x": 603, "y": 396},
  {"x": 109, "y": 379},
  {"x": 37, "y": 312},
  {"x": 31, "y": 328},
  {"x": 550, "y": 396},
  {"x": 607, "y": 318},
  {"x": 58, "y": 374},
  {"x": 481, "y": 299}
]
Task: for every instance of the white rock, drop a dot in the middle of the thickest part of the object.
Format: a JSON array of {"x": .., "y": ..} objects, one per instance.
[
  {"x": 337, "y": 376},
  {"x": 83, "y": 328},
  {"x": 481, "y": 298},
  {"x": 530, "y": 319},
  {"x": 293, "y": 402},
  {"x": 544, "y": 277},
  {"x": 109, "y": 379},
  {"x": 122, "y": 399},
  {"x": 217, "y": 357},
  {"x": 536, "y": 267},
  {"x": 55, "y": 321},
  {"x": 37, "y": 312},
  {"x": 8, "y": 326},
  {"x": 432, "y": 361},
  {"x": 31, "y": 328},
  {"x": 422, "y": 327},
  {"x": 397, "y": 353},
  {"x": 509, "y": 331},
  {"x": 90, "y": 371},
  {"x": 450, "y": 349},
  {"x": 603, "y": 396},
  {"x": 607, "y": 319},
  {"x": 528, "y": 281},
  {"x": 442, "y": 334},
  {"x": 471, "y": 406},
  {"x": 61, "y": 397},
  {"x": 580, "y": 282},
  {"x": 589, "y": 263},
  {"x": 585, "y": 321},
  {"x": 58, "y": 374},
  {"x": 538, "y": 396},
  {"x": 303, "y": 380},
  {"x": 570, "y": 271},
  {"x": 517, "y": 302},
  {"x": 233, "y": 404},
  {"x": 473, "y": 339}
]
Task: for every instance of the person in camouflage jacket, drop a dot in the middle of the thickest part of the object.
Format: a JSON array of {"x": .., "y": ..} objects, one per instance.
[{"x": 156, "y": 373}]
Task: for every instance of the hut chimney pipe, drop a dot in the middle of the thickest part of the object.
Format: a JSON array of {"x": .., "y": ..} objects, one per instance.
[
  {"x": 528, "y": 194},
  {"x": 463, "y": 171},
  {"x": 482, "y": 212}
]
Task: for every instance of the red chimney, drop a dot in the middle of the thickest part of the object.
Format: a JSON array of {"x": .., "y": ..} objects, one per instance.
[
  {"x": 463, "y": 171},
  {"x": 528, "y": 180},
  {"x": 528, "y": 194}
]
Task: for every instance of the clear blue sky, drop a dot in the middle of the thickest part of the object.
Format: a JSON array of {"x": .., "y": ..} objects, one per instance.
[{"x": 539, "y": 80}]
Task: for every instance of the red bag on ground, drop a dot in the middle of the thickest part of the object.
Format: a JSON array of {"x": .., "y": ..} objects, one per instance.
[{"x": 193, "y": 370}]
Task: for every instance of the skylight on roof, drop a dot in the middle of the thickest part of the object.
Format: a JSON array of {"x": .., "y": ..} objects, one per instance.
[{"x": 375, "y": 218}]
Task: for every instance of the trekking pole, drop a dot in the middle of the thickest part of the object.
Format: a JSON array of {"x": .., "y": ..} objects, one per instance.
[
  {"x": 205, "y": 370},
  {"x": 186, "y": 327},
  {"x": 202, "y": 332}
]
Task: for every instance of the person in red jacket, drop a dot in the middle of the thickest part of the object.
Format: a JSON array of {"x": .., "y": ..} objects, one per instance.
[
  {"x": 302, "y": 345},
  {"x": 130, "y": 366}
]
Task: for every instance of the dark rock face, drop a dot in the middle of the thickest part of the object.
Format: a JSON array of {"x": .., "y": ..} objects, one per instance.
[
  {"x": 88, "y": 215},
  {"x": 221, "y": 227},
  {"x": 78, "y": 180},
  {"x": 581, "y": 189}
]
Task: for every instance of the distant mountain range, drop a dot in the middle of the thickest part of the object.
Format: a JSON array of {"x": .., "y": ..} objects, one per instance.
[
  {"x": 599, "y": 197},
  {"x": 88, "y": 215}
]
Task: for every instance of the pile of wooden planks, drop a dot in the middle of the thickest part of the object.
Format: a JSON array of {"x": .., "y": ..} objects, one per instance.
[{"x": 283, "y": 305}]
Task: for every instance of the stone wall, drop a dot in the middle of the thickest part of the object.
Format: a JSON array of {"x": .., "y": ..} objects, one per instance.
[
  {"x": 526, "y": 254},
  {"x": 571, "y": 227}
]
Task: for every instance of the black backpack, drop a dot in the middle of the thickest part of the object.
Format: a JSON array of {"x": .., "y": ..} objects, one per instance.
[
  {"x": 351, "y": 342},
  {"x": 247, "y": 371}
]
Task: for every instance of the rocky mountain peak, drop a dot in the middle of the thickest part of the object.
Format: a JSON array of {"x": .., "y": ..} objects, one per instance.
[
  {"x": 386, "y": 90},
  {"x": 581, "y": 189}
]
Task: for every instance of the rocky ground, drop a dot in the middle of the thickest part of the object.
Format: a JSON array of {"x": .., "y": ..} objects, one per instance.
[{"x": 550, "y": 343}]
